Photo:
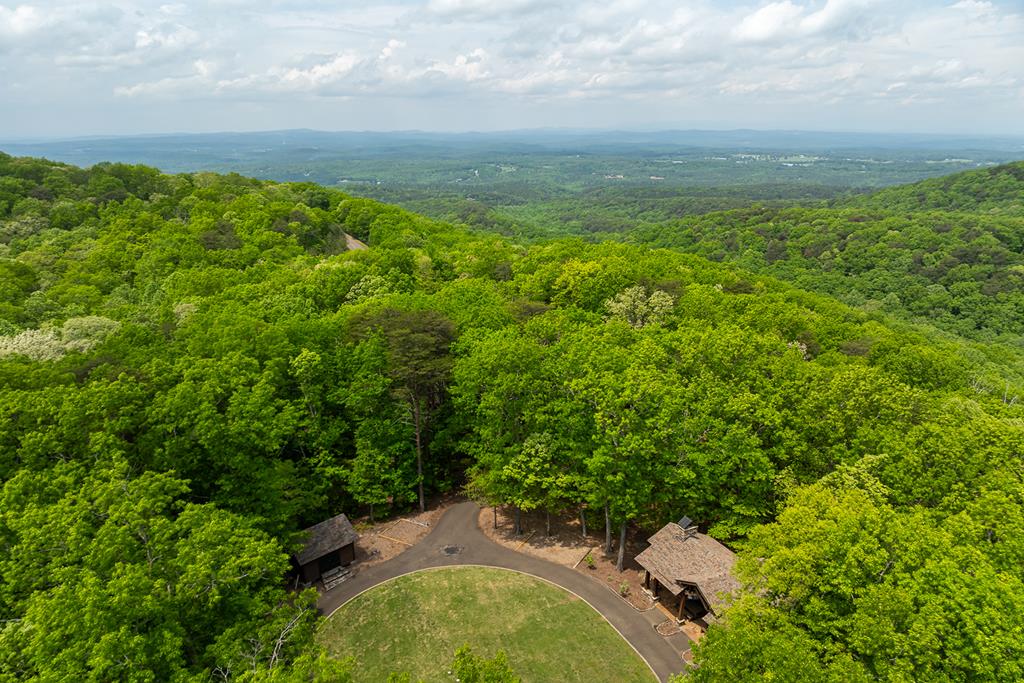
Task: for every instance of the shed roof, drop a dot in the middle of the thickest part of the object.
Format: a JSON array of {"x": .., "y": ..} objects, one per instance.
[
  {"x": 326, "y": 537},
  {"x": 677, "y": 558}
]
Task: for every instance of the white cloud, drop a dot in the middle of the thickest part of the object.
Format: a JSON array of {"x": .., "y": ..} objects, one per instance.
[
  {"x": 321, "y": 74},
  {"x": 974, "y": 6},
  {"x": 805, "y": 57},
  {"x": 774, "y": 20},
  {"x": 198, "y": 80},
  {"x": 174, "y": 37},
  {"x": 483, "y": 9},
  {"x": 787, "y": 21},
  {"x": 21, "y": 20},
  {"x": 835, "y": 14},
  {"x": 470, "y": 67},
  {"x": 388, "y": 50}
]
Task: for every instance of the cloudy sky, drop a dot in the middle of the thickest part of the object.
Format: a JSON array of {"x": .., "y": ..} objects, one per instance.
[{"x": 81, "y": 68}]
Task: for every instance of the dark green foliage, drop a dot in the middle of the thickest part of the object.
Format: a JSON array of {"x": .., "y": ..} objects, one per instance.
[{"x": 417, "y": 347}]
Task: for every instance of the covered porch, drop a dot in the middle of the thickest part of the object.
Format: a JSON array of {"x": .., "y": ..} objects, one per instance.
[{"x": 684, "y": 601}]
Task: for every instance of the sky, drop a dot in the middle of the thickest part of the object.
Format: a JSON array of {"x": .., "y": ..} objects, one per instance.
[{"x": 98, "y": 68}]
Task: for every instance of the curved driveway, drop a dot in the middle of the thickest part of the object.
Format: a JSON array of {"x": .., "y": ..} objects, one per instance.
[{"x": 458, "y": 527}]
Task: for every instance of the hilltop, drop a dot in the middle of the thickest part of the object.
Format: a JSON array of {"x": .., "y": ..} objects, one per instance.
[
  {"x": 996, "y": 190},
  {"x": 194, "y": 367}
]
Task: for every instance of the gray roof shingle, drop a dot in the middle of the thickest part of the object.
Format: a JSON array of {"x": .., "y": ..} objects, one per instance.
[
  {"x": 325, "y": 537},
  {"x": 676, "y": 557}
]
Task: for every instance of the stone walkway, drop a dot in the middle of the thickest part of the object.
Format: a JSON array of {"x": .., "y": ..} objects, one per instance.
[{"x": 457, "y": 540}]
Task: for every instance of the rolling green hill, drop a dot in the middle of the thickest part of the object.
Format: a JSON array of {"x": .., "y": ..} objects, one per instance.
[
  {"x": 997, "y": 190},
  {"x": 901, "y": 250}
]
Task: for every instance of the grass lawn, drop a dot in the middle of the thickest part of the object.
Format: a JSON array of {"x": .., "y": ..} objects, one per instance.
[{"x": 415, "y": 622}]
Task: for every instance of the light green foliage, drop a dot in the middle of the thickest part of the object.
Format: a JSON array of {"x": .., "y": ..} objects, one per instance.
[
  {"x": 536, "y": 478},
  {"x": 875, "y": 590},
  {"x": 118, "y": 577},
  {"x": 637, "y": 404},
  {"x": 757, "y": 643},
  {"x": 469, "y": 667},
  {"x": 192, "y": 369},
  {"x": 638, "y": 308}
]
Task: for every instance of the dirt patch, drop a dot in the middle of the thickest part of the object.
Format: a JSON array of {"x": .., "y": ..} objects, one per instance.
[
  {"x": 693, "y": 631},
  {"x": 628, "y": 584},
  {"x": 567, "y": 546},
  {"x": 383, "y": 540}
]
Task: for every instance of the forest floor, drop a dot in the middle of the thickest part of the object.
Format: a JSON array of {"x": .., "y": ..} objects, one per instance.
[
  {"x": 385, "y": 539},
  {"x": 568, "y": 547}
]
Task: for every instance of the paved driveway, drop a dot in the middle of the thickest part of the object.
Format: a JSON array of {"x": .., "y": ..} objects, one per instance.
[{"x": 457, "y": 540}]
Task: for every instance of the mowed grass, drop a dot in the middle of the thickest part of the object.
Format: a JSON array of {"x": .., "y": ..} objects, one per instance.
[{"x": 415, "y": 623}]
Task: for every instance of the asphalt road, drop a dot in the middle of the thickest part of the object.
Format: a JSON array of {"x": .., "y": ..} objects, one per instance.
[{"x": 457, "y": 540}]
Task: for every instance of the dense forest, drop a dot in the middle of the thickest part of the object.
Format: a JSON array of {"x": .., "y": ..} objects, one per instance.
[
  {"x": 998, "y": 190},
  {"x": 193, "y": 367},
  {"x": 542, "y": 184},
  {"x": 946, "y": 252}
]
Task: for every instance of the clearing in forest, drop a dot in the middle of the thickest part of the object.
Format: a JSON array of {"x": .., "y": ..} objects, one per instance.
[{"x": 415, "y": 623}]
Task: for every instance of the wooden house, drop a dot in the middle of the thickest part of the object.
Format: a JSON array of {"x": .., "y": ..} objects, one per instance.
[
  {"x": 329, "y": 546},
  {"x": 688, "y": 570}
]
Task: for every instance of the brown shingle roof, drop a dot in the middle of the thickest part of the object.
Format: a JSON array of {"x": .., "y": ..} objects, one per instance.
[
  {"x": 676, "y": 558},
  {"x": 325, "y": 537}
]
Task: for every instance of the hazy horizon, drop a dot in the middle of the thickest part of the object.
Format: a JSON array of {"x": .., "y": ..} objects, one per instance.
[
  {"x": 538, "y": 131},
  {"x": 118, "y": 68}
]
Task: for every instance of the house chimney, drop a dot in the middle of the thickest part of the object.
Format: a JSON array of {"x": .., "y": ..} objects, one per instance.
[{"x": 688, "y": 527}]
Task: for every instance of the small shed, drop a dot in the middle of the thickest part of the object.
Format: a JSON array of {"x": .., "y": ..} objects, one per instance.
[
  {"x": 329, "y": 545},
  {"x": 691, "y": 567}
]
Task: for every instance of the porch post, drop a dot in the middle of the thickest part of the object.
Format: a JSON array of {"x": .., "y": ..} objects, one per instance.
[{"x": 647, "y": 579}]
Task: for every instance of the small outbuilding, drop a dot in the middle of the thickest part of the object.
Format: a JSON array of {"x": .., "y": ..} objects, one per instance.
[
  {"x": 692, "y": 568},
  {"x": 330, "y": 545}
]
